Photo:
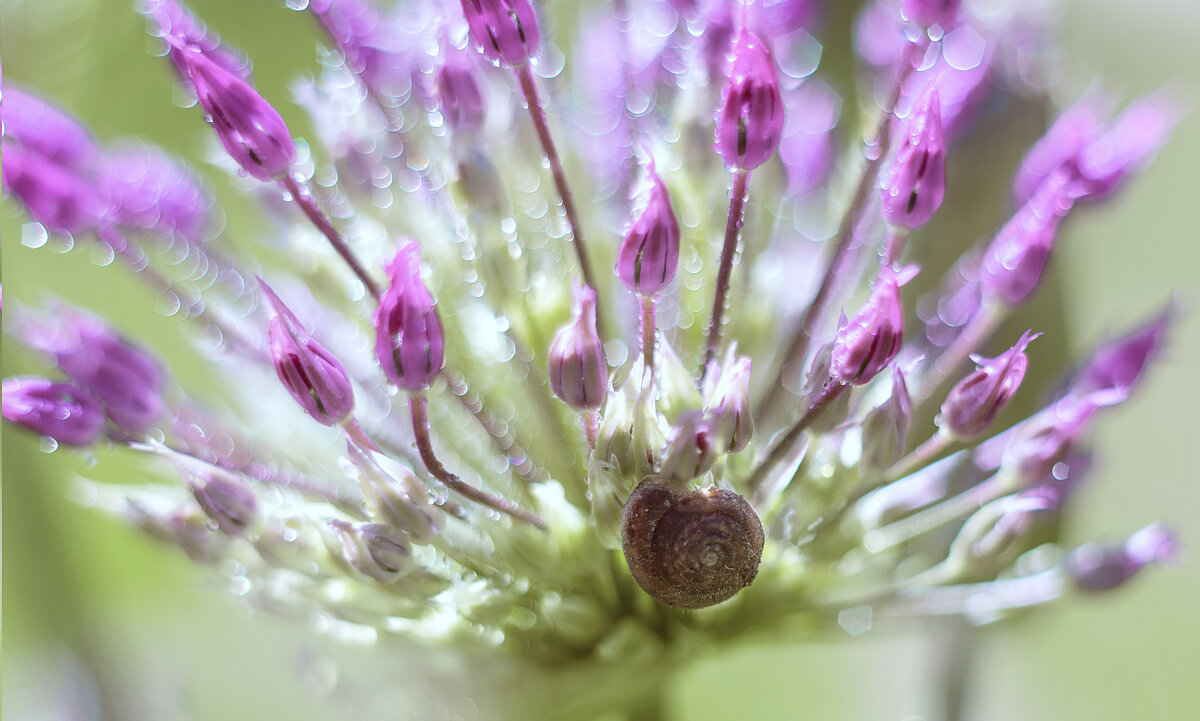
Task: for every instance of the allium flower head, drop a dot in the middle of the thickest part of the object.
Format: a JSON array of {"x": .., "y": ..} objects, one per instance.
[
  {"x": 591, "y": 439},
  {"x": 750, "y": 117},
  {"x": 409, "y": 340}
]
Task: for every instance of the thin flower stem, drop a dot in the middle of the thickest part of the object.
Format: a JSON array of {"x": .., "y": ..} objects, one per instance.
[
  {"x": 591, "y": 428},
  {"x": 648, "y": 333},
  {"x": 304, "y": 199},
  {"x": 980, "y": 599},
  {"x": 894, "y": 245},
  {"x": 923, "y": 455},
  {"x": 876, "y": 150},
  {"x": 516, "y": 456},
  {"x": 948, "y": 511},
  {"x": 359, "y": 436},
  {"x": 733, "y": 227},
  {"x": 538, "y": 114},
  {"x": 421, "y": 430},
  {"x": 785, "y": 444},
  {"x": 956, "y": 652}
]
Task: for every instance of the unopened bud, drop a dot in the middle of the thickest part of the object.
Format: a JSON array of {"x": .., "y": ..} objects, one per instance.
[
  {"x": 225, "y": 498},
  {"x": 409, "y": 340},
  {"x": 692, "y": 449},
  {"x": 727, "y": 401},
  {"x": 866, "y": 345},
  {"x": 976, "y": 400},
  {"x": 62, "y": 411},
  {"x": 1101, "y": 568},
  {"x": 578, "y": 370},
  {"x": 914, "y": 184},
  {"x": 505, "y": 31},
  {"x": 750, "y": 117},
  {"x": 649, "y": 253}
]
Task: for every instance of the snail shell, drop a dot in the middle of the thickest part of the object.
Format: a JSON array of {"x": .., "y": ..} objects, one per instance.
[{"x": 690, "y": 549}]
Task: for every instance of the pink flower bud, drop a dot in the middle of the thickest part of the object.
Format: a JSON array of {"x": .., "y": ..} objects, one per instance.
[
  {"x": 314, "y": 377},
  {"x": 976, "y": 400},
  {"x": 1115, "y": 367},
  {"x": 460, "y": 99},
  {"x": 505, "y": 31},
  {"x": 186, "y": 36},
  {"x": 1077, "y": 126},
  {"x": 1101, "y": 568},
  {"x": 1047, "y": 438},
  {"x": 865, "y": 346},
  {"x": 885, "y": 429},
  {"x": 750, "y": 117},
  {"x": 914, "y": 183},
  {"x": 127, "y": 380},
  {"x": 727, "y": 401},
  {"x": 578, "y": 369},
  {"x": 225, "y": 498},
  {"x": 62, "y": 411},
  {"x": 931, "y": 12},
  {"x": 251, "y": 131},
  {"x": 409, "y": 340},
  {"x": 1014, "y": 262},
  {"x": 55, "y": 195},
  {"x": 649, "y": 254},
  {"x": 46, "y": 131},
  {"x": 152, "y": 192},
  {"x": 372, "y": 46},
  {"x": 1128, "y": 144}
]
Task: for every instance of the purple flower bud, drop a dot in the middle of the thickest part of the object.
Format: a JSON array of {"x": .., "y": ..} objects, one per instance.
[
  {"x": 127, "y": 380},
  {"x": 885, "y": 429},
  {"x": 310, "y": 373},
  {"x": 727, "y": 401},
  {"x": 865, "y": 346},
  {"x": 56, "y": 196},
  {"x": 976, "y": 400},
  {"x": 649, "y": 254},
  {"x": 251, "y": 131},
  {"x": 1075, "y": 128},
  {"x": 578, "y": 369},
  {"x": 1115, "y": 367},
  {"x": 409, "y": 340},
  {"x": 505, "y": 31},
  {"x": 1047, "y": 438},
  {"x": 781, "y": 17},
  {"x": 692, "y": 447},
  {"x": 47, "y": 131},
  {"x": 1101, "y": 568},
  {"x": 152, "y": 192},
  {"x": 750, "y": 117},
  {"x": 914, "y": 184},
  {"x": 1131, "y": 141},
  {"x": 186, "y": 36},
  {"x": 959, "y": 71},
  {"x": 460, "y": 99},
  {"x": 1014, "y": 262},
  {"x": 372, "y": 47},
  {"x": 62, "y": 411},
  {"x": 224, "y": 497},
  {"x": 931, "y": 12}
]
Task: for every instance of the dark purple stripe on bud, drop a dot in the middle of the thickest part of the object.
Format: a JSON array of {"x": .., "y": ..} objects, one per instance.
[
  {"x": 914, "y": 183},
  {"x": 750, "y": 117},
  {"x": 649, "y": 254},
  {"x": 578, "y": 369},
  {"x": 64, "y": 412},
  {"x": 460, "y": 98},
  {"x": 976, "y": 400},
  {"x": 505, "y": 31},
  {"x": 314, "y": 377},
  {"x": 409, "y": 340}
]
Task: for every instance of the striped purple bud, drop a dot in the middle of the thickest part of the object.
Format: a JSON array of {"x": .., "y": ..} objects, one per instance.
[
  {"x": 409, "y": 340},
  {"x": 649, "y": 253},
  {"x": 976, "y": 400},
  {"x": 187, "y": 36},
  {"x": 914, "y": 184},
  {"x": 250, "y": 129},
  {"x": 226, "y": 499},
  {"x": 1101, "y": 568},
  {"x": 314, "y": 377},
  {"x": 459, "y": 96},
  {"x": 866, "y": 345},
  {"x": 1014, "y": 262},
  {"x": 750, "y": 117},
  {"x": 64, "y": 412},
  {"x": 1115, "y": 367},
  {"x": 505, "y": 31},
  {"x": 46, "y": 131},
  {"x": 56, "y": 196},
  {"x": 578, "y": 369},
  {"x": 152, "y": 192}
]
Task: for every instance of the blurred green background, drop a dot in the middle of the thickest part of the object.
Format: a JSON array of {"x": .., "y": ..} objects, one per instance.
[{"x": 163, "y": 641}]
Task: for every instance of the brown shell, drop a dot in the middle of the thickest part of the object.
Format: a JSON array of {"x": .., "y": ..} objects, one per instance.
[{"x": 690, "y": 549}]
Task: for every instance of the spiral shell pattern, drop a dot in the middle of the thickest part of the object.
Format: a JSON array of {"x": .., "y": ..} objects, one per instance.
[{"x": 690, "y": 549}]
